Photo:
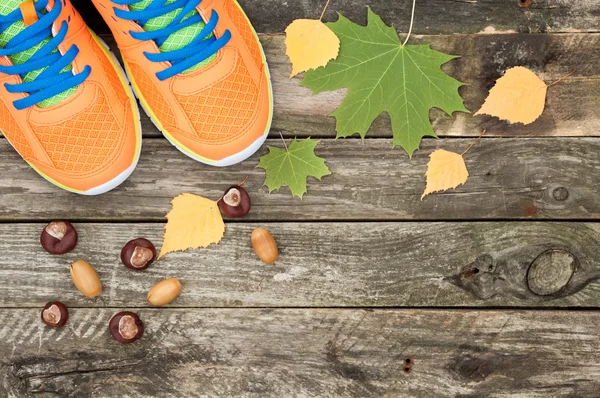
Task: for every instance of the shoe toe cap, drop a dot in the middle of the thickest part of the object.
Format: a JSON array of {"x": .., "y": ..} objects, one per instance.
[{"x": 226, "y": 120}]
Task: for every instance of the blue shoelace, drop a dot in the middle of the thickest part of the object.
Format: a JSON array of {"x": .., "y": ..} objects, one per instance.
[
  {"x": 202, "y": 47},
  {"x": 51, "y": 81}
]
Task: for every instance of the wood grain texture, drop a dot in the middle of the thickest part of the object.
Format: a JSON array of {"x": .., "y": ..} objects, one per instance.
[
  {"x": 431, "y": 16},
  {"x": 320, "y": 265},
  {"x": 572, "y": 107},
  {"x": 304, "y": 353},
  {"x": 509, "y": 179}
]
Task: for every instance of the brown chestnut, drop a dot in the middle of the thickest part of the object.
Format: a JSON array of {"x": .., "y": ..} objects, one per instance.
[
  {"x": 138, "y": 254},
  {"x": 235, "y": 202},
  {"x": 59, "y": 237},
  {"x": 55, "y": 314},
  {"x": 126, "y": 327}
]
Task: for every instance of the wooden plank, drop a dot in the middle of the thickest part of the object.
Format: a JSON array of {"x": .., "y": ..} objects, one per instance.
[
  {"x": 510, "y": 179},
  {"x": 431, "y": 16},
  {"x": 305, "y": 353},
  {"x": 484, "y": 58},
  {"x": 324, "y": 265}
]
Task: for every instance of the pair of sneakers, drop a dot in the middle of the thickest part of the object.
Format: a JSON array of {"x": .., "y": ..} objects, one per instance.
[{"x": 67, "y": 106}]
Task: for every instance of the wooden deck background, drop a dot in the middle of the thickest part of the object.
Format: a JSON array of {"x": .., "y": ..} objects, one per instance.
[{"x": 490, "y": 290}]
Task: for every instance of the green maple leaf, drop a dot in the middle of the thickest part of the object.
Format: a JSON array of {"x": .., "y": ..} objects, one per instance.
[
  {"x": 292, "y": 166},
  {"x": 383, "y": 75}
]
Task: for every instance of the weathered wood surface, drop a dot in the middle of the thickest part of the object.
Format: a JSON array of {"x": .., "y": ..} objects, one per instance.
[
  {"x": 371, "y": 260},
  {"x": 572, "y": 107},
  {"x": 323, "y": 265},
  {"x": 431, "y": 16},
  {"x": 509, "y": 179},
  {"x": 304, "y": 353}
]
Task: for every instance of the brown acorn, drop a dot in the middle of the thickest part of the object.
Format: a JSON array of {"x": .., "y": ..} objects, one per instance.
[{"x": 264, "y": 245}]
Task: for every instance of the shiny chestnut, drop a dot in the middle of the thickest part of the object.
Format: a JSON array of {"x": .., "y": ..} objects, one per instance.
[
  {"x": 55, "y": 314},
  {"x": 126, "y": 327},
  {"x": 235, "y": 202},
  {"x": 59, "y": 237},
  {"x": 138, "y": 254}
]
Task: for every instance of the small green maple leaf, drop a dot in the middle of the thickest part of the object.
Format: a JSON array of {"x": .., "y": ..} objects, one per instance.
[
  {"x": 292, "y": 166},
  {"x": 382, "y": 75}
]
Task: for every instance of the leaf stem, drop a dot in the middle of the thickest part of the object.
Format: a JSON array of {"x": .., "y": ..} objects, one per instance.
[
  {"x": 243, "y": 182},
  {"x": 473, "y": 143},
  {"x": 562, "y": 78},
  {"x": 324, "y": 9},
  {"x": 239, "y": 185},
  {"x": 412, "y": 19},
  {"x": 284, "y": 144}
]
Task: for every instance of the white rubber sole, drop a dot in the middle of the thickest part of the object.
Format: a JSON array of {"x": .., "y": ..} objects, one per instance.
[
  {"x": 228, "y": 161},
  {"x": 112, "y": 184}
]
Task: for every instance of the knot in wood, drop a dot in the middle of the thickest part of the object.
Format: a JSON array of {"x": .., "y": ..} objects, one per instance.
[
  {"x": 551, "y": 271},
  {"x": 560, "y": 194}
]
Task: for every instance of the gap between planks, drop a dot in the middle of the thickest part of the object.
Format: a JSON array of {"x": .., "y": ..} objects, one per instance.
[{"x": 515, "y": 178}]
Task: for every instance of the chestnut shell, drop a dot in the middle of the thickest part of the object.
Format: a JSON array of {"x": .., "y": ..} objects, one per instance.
[
  {"x": 129, "y": 248},
  {"x": 59, "y": 246},
  {"x": 236, "y": 211},
  {"x": 113, "y": 327},
  {"x": 64, "y": 314}
]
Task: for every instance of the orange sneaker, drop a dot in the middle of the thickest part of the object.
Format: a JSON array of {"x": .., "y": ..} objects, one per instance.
[
  {"x": 65, "y": 104},
  {"x": 199, "y": 71}
]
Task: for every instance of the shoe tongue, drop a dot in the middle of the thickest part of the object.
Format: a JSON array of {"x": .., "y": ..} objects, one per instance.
[
  {"x": 176, "y": 40},
  {"x": 8, "y": 32}
]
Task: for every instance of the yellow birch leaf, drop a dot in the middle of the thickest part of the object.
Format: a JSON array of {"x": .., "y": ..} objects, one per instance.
[
  {"x": 310, "y": 44},
  {"x": 193, "y": 222},
  {"x": 445, "y": 170},
  {"x": 518, "y": 96}
]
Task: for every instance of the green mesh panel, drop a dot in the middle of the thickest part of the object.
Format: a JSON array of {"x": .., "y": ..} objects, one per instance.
[
  {"x": 6, "y": 7},
  {"x": 176, "y": 40}
]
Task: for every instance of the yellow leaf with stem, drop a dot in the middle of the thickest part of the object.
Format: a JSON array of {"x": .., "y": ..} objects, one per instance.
[
  {"x": 446, "y": 170},
  {"x": 310, "y": 44},
  {"x": 193, "y": 222},
  {"x": 519, "y": 96}
]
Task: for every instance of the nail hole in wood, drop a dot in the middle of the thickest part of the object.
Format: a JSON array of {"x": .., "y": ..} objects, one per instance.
[
  {"x": 408, "y": 363},
  {"x": 524, "y": 3}
]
